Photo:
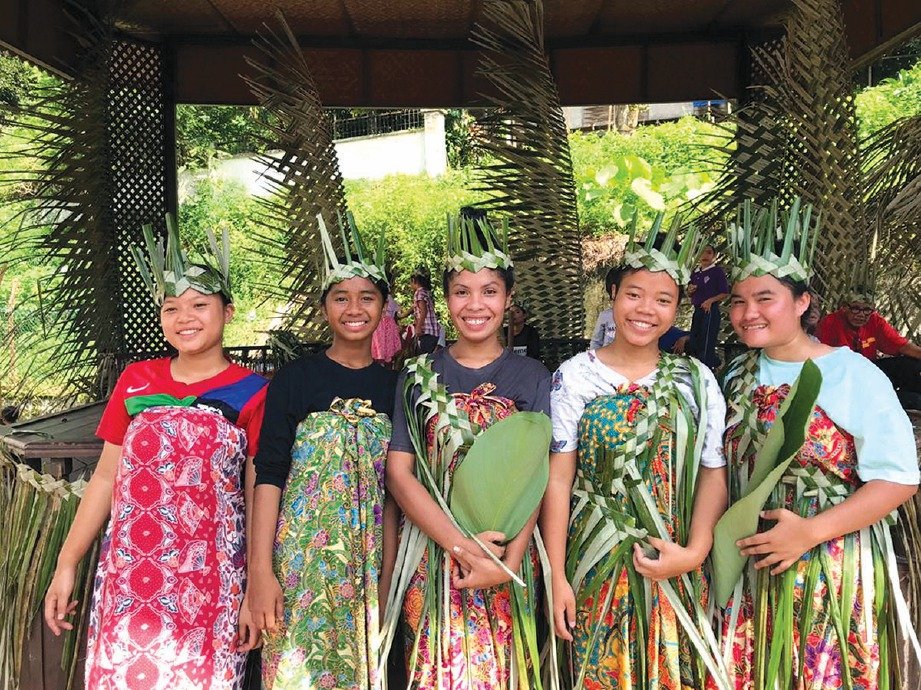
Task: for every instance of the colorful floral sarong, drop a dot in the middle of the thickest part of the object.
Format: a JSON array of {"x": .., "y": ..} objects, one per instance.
[
  {"x": 477, "y": 642},
  {"x": 794, "y": 616},
  {"x": 171, "y": 571},
  {"x": 328, "y": 553},
  {"x": 628, "y": 635}
]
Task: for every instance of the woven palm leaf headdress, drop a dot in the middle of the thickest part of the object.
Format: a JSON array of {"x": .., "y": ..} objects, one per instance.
[
  {"x": 474, "y": 244},
  {"x": 758, "y": 234},
  {"x": 674, "y": 258},
  {"x": 359, "y": 260},
  {"x": 168, "y": 272}
]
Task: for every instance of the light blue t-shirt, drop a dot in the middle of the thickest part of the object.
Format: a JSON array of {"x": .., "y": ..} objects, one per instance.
[{"x": 859, "y": 398}]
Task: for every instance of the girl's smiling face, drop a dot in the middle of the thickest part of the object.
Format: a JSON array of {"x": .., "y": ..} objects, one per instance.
[
  {"x": 765, "y": 313},
  {"x": 645, "y": 306},
  {"x": 477, "y": 303},
  {"x": 353, "y": 308},
  {"x": 193, "y": 323}
]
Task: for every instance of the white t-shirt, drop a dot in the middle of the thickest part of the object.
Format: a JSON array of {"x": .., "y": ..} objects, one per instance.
[{"x": 582, "y": 378}]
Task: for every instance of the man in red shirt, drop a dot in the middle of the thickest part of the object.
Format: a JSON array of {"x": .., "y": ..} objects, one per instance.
[{"x": 859, "y": 326}]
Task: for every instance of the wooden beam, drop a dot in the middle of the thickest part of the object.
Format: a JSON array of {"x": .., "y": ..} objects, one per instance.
[
  {"x": 36, "y": 31},
  {"x": 209, "y": 73}
]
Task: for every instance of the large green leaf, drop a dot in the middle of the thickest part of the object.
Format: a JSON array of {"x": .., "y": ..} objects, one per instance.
[
  {"x": 780, "y": 445},
  {"x": 502, "y": 479}
]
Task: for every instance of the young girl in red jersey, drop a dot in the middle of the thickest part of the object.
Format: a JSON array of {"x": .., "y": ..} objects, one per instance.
[{"x": 178, "y": 433}]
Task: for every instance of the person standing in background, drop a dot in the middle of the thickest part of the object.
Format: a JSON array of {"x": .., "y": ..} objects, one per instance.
[
  {"x": 709, "y": 286},
  {"x": 525, "y": 337},
  {"x": 603, "y": 333}
]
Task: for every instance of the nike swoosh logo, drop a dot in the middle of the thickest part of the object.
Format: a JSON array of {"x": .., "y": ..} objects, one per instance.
[{"x": 132, "y": 389}]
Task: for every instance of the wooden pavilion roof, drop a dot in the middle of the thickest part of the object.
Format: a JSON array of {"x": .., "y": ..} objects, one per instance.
[{"x": 416, "y": 52}]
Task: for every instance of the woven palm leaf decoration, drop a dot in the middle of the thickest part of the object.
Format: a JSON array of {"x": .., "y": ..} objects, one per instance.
[
  {"x": 304, "y": 175},
  {"x": 359, "y": 261},
  {"x": 530, "y": 179},
  {"x": 799, "y": 138},
  {"x": 664, "y": 251},
  {"x": 893, "y": 192}
]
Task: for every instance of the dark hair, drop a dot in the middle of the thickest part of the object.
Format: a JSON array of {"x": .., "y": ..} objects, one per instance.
[
  {"x": 507, "y": 275},
  {"x": 421, "y": 278},
  {"x": 612, "y": 278},
  {"x": 381, "y": 286},
  {"x": 798, "y": 288},
  {"x": 622, "y": 271}
]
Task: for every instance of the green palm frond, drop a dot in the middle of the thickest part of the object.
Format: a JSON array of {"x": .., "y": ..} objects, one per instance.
[
  {"x": 798, "y": 137},
  {"x": 530, "y": 177},
  {"x": 302, "y": 171},
  {"x": 66, "y": 219},
  {"x": 893, "y": 192}
]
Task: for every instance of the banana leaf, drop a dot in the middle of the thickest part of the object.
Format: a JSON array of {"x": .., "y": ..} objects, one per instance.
[
  {"x": 777, "y": 451},
  {"x": 501, "y": 481}
]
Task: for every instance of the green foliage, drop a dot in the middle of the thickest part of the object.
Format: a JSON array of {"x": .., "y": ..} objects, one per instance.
[
  {"x": 460, "y": 139},
  {"x": 656, "y": 169},
  {"x": 17, "y": 80},
  {"x": 890, "y": 100},
  {"x": 206, "y": 132},
  {"x": 216, "y": 204},
  {"x": 412, "y": 210}
]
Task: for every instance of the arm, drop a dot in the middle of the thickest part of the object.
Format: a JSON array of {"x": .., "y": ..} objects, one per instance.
[
  {"x": 909, "y": 349},
  {"x": 266, "y": 602},
  {"x": 710, "y": 499},
  {"x": 792, "y": 536},
  {"x": 391, "y": 531},
  {"x": 92, "y": 513},
  {"x": 249, "y": 635},
  {"x": 427, "y": 515},
  {"x": 554, "y": 525},
  {"x": 716, "y": 299}
]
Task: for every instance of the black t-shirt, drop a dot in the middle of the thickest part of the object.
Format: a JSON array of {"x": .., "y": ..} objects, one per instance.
[
  {"x": 527, "y": 342},
  {"x": 522, "y": 379},
  {"x": 308, "y": 385}
]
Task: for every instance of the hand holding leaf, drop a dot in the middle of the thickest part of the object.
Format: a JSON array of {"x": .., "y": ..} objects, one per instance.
[
  {"x": 673, "y": 560},
  {"x": 783, "y": 544}
]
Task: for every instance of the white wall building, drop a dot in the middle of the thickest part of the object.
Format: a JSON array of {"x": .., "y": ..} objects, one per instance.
[{"x": 409, "y": 152}]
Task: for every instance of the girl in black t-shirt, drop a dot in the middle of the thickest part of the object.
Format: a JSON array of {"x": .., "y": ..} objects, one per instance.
[{"x": 317, "y": 520}]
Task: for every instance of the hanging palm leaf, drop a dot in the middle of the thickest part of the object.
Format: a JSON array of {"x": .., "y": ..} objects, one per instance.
[
  {"x": 530, "y": 176},
  {"x": 302, "y": 171},
  {"x": 798, "y": 137}
]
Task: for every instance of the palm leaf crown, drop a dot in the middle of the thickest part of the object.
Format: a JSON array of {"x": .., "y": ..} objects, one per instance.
[
  {"x": 169, "y": 272},
  {"x": 674, "y": 258},
  {"x": 758, "y": 232},
  {"x": 474, "y": 244},
  {"x": 359, "y": 260}
]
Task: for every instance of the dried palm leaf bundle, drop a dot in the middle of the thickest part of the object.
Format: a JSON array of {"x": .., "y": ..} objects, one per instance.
[{"x": 39, "y": 510}]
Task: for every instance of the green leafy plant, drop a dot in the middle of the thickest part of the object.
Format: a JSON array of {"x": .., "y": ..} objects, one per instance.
[{"x": 519, "y": 443}]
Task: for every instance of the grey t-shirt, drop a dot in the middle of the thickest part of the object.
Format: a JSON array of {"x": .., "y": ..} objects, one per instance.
[{"x": 522, "y": 379}]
